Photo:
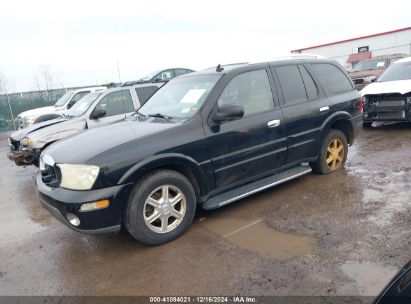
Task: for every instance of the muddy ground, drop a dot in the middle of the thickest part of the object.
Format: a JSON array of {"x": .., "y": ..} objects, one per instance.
[{"x": 344, "y": 234}]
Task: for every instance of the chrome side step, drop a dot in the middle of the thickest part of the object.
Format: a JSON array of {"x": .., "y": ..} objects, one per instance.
[{"x": 254, "y": 187}]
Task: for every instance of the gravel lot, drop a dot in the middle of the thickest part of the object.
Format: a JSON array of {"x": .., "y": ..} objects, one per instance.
[{"x": 344, "y": 234}]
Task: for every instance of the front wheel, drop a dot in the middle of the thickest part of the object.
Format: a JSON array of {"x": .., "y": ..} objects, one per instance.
[
  {"x": 161, "y": 207},
  {"x": 333, "y": 153}
]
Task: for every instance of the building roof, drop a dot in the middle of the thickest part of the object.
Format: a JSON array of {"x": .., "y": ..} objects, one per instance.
[{"x": 353, "y": 39}]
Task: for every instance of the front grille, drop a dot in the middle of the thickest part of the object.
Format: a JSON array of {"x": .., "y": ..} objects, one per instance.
[
  {"x": 15, "y": 145},
  {"x": 51, "y": 176},
  {"x": 391, "y": 115},
  {"x": 385, "y": 100}
]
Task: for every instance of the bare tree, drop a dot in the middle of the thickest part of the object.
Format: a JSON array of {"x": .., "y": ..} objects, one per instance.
[
  {"x": 37, "y": 81},
  {"x": 46, "y": 76},
  {"x": 4, "y": 89}
]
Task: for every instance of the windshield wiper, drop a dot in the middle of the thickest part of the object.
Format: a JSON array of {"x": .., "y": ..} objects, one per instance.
[
  {"x": 159, "y": 115},
  {"x": 139, "y": 114}
]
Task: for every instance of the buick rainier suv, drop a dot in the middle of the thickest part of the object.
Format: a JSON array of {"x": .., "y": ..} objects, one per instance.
[{"x": 209, "y": 138}]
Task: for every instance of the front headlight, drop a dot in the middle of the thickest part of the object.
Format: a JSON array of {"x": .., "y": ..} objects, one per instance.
[
  {"x": 78, "y": 177},
  {"x": 26, "y": 142}
]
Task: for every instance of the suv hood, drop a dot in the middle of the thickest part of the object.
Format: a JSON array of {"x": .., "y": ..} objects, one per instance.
[
  {"x": 20, "y": 134},
  {"x": 42, "y": 111},
  {"x": 85, "y": 147},
  {"x": 398, "y": 86},
  {"x": 360, "y": 74}
]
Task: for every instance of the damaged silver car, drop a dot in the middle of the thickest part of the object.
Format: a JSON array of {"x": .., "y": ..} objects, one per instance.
[
  {"x": 389, "y": 98},
  {"x": 93, "y": 110}
]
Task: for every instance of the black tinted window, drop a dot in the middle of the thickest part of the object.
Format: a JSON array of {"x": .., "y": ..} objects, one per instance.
[
  {"x": 144, "y": 93},
  {"x": 179, "y": 72},
  {"x": 250, "y": 90},
  {"x": 310, "y": 87},
  {"x": 332, "y": 78},
  {"x": 117, "y": 103},
  {"x": 291, "y": 84}
]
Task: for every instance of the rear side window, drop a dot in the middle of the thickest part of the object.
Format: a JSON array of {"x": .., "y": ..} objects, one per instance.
[
  {"x": 144, "y": 93},
  {"x": 292, "y": 84},
  {"x": 117, "y": 103},
  {"x": 332, "y": 78},
  {"x": 310, "y": 87}
]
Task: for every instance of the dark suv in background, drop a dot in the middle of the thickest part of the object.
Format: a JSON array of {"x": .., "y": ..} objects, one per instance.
[
  {"x": 367, "y": 71},
  {"x": 211, "y": 138},
  {"x": 159, "y": 76}
]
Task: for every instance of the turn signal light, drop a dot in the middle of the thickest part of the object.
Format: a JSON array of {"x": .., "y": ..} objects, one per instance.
[{"x": 95, "y": 205}]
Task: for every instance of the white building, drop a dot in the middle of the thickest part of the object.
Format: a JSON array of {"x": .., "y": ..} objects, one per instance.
[{"x": 353, "y": 50}]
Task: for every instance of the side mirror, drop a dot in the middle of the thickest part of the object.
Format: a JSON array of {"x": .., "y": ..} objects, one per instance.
[
  {"x": 98, "y": 113},
  {"x": 228, "y": 112},
  {"x": 70, "y": 104}
]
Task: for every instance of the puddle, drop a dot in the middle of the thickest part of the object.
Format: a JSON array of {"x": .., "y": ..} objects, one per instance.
[
  {"x": 369, "y": 278},
  {"x": 256, "y": 237},
  {"x": 390, "y": 191}
]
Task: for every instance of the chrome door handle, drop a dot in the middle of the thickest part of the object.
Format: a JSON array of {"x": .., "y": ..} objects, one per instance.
[
  {"x": 322, "y": 109},
  {"x": 273, "y": 123}
]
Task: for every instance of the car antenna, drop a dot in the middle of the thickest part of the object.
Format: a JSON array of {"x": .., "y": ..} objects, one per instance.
[
  {"x": 121, "y": 90},
  {"x": 219, "y": 68}
]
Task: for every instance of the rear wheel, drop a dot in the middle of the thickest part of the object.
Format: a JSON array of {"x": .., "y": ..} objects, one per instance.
[
  {"x": 333, "y": 153},
  {"x": 161, "y": 207}
]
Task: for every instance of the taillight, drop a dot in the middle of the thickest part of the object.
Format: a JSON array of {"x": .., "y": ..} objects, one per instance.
[{"x": 361, "y": 105}]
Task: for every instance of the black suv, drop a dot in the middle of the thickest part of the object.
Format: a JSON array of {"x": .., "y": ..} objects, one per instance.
[{"x": 209, "y": 138}]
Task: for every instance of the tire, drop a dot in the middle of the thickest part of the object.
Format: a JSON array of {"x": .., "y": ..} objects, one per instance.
[
  {"x": 46, "y": 117},
  {"x": 332, "y": 138},
  {"x": 139, "y": 208}
]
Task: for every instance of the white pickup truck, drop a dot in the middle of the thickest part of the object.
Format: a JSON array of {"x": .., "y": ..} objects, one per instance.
[
  {"x": 93, "y": 110},
  {"x": 65, "y": 102}
]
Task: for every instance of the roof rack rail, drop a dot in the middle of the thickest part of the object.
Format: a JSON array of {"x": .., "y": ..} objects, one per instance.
[{"x": 293, "y": 56}]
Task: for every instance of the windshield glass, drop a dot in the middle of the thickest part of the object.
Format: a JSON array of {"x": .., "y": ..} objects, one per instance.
[
  {"x": 81, "y": 106},
  {"x": 63, "y": 99},
  {"x": 397, "y": 71},
  {"x": 181, "y": 97},
  {"x": 374, "y": 64},
  {"x": 149, "y": 76}
]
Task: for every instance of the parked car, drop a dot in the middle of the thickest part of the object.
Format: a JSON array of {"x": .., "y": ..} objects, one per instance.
[
  {"x": 367, "y": 71},
  {"x": 93, "y": 110},
  {"x": 398, "y": 290},
  {"x": 389, "y": 98},
  {"x": 64, "y": 103},
  {"x": 208, "y": 138},
  {"x": 160, "y": 76}
]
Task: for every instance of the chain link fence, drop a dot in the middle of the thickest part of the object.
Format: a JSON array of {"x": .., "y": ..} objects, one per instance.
[{"x": 13, "y": 104}]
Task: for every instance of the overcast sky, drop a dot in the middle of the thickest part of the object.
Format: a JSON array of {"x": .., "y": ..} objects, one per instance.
[{"x": 82, "y": 41}]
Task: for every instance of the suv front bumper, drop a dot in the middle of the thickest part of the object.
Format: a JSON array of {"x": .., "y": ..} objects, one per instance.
[
  {"x": 23, "y": 158},
  {"x": 59, "y": 202}
]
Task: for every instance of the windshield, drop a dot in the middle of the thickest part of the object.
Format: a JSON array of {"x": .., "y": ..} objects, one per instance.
[
  {"x": 63, "y": 99},
  {"x": 366, "y": 65},
  {"x": 181, "y": 97},
  {"x": 149, "y": 76},
  {"x": 81, "y": 106},
  {"x": 397, "y": 71}
]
